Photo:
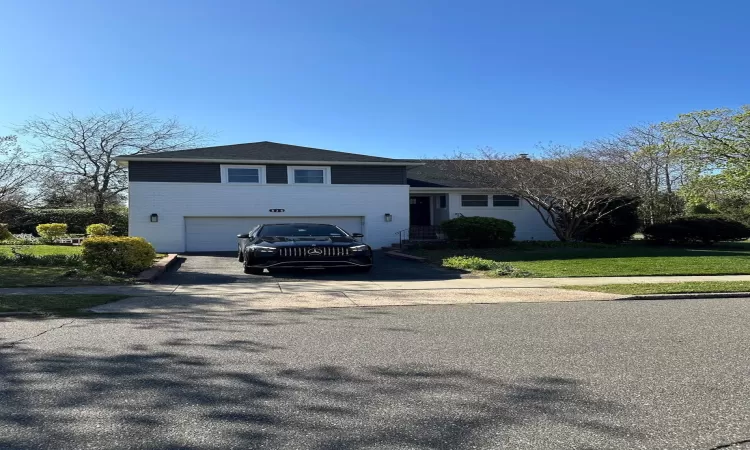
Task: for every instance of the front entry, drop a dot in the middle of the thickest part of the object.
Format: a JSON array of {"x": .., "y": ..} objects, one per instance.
[{"x": 419, "y": 211}]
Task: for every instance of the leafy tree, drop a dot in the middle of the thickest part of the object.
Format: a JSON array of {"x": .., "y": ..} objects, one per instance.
[
  {"x": 80, "y": 151},
  {"x": 716, "y": 148}
]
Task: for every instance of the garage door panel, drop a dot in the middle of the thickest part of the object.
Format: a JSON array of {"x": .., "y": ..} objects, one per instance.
[{"x": 213, "y": 234}]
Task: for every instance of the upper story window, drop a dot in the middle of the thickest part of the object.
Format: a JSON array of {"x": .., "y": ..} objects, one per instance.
[
  {"x": 309, "y": 175},
  {"x": 243, "y": 174},
  {"x": 474, "y": 200},
  {"x": 505, "y": 200}
]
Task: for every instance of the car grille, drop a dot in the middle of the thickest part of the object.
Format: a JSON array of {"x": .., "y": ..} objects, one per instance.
[{"x": 305, "y": 252}]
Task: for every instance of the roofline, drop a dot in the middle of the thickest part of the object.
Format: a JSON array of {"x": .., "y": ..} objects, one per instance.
[{"x": 125, "y": 159}]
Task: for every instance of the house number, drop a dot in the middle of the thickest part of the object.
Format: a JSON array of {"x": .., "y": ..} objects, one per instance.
[{"x": 276, "y": 210}]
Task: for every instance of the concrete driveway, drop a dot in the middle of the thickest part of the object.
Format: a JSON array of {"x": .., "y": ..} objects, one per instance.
[
  {"x": 221, "y": 268},
  {"x": 592, "y": 375}
]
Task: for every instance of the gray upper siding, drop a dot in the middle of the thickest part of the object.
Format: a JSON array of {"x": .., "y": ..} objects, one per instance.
[{"x": 188, "y": 172}]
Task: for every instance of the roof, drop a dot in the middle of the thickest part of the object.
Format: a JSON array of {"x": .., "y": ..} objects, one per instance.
[
  {"x": 264, "y": 152},
  {"x": 438, "y": 173}
]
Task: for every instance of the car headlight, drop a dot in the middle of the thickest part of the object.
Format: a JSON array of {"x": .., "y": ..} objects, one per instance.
[
  {"x": 264, "y": 249},
  {"x": 358, "y": 248}
]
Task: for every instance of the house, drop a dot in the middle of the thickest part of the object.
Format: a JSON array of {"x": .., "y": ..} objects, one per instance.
[{"x": 198, "y": 200}]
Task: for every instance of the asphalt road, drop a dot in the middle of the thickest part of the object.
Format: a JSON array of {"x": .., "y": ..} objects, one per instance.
[{"x": 587, "y": 375}]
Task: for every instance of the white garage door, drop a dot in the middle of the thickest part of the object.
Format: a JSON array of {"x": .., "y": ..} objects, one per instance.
[{"x": 214, "y": 234}]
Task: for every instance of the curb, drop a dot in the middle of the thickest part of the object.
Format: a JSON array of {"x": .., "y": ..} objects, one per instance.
[
  {"x": 157, "y": 269},
  {"x": 688, "y": 296}
]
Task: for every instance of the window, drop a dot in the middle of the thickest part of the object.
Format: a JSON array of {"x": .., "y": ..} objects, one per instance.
[
  {"x": 505, "y": 200},
  {"x": 474, "y": 200},
  {"x": 309, "y": 175},
  {"x": 443, "y": 202},
  {"x": 243, "y": 174}
]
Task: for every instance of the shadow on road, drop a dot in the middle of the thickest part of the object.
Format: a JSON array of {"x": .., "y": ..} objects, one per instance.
[{"x": 170, "y": 394}]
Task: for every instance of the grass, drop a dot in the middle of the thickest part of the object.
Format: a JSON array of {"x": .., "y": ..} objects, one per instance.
[
  {"x": 53, "y": 304},
  {"x": 627, "y": 260},
  {"x": 39, "y": 276},
  {"x": 41, "y": 250},
  {"x": 668, "y": 288}
]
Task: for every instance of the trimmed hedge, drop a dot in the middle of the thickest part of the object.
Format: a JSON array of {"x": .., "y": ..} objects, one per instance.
[
  {"x": 480, "y": 232},
  {"x": 51, "y": 231},
  {"x": 98, "y": 229},
  {"x": 76, "y": 218},
  {"x": 696, "y": 229},
  {"x": 117, "y": 255}
]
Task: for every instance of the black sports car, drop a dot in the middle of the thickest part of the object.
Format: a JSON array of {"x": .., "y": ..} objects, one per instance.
[{"x": 302, "y": 245}]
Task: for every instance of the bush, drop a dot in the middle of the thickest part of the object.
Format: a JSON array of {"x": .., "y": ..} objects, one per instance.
[
  {"x": 117, "y": 255},
  {"x": 616, "y": 227},
  {"x": 480, "y": 231},
  {"x": 76, "y": 218},
  {"x": 501, "y": 269},
  {"x": 98, "y": 229},
  {"x": 5, "y": 234},
  {"x": 24, "y": 259},
  {"x": 51, "y": 231},
  {"x": 696, "y": 229}
]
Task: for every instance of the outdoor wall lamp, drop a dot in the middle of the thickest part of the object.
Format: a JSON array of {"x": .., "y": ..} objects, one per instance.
[
  {"x": 154, "y": 217},
  {"x": 388, "y": 218}
]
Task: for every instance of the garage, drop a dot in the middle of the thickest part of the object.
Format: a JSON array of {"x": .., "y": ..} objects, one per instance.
[{"x": 214, "y": 234}]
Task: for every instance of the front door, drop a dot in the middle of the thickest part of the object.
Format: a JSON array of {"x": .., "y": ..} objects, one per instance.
[{"x": 419, "y": 211}]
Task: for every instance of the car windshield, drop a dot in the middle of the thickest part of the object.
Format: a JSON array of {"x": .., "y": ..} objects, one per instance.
[{"x": 302, "y": 230}]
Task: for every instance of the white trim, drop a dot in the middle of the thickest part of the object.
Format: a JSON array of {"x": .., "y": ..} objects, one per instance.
[
  {"x": 326, "y": 174},
  {"x": 225, "y": 177},
  {"x": 125, "y": 159}
]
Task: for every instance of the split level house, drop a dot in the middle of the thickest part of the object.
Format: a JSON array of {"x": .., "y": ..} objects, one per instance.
[{"x": 198, "y": 200}]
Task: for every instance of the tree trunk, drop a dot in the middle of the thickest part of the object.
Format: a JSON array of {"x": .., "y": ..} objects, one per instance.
[{"x": 99, "y": 202}]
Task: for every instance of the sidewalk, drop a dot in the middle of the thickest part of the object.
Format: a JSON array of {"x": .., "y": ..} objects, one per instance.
[
  {"x": 296, "y": 287},
  {"x": 276, "y": 295}
]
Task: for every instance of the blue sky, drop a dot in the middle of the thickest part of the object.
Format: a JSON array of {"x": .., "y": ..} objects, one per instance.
[{"x": 402, "y": 78}]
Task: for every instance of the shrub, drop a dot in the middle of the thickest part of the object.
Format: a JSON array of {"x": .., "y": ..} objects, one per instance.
[
  {"x": 18, "y": 258},
  {"x": 501, "y": 269},
  {"x": 4, "y": 232},
  {"x": 76, "y": 218},
  {"x": 99, "y": 229},
  {"x": 51, "y": 231},
  {"x": 121, "y": 255},
  {"x": 617, "y": 226},
  {"x": 696, "y": 229},
  {"x": 480, "y": 231}
]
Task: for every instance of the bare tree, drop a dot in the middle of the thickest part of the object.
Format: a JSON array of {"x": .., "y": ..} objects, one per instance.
[
  {"x": 15, "y": 175},
  {"x": 82, "y": 149},
  {"x": 646, "y": 161},
  {"x": 567, "y": 187}
]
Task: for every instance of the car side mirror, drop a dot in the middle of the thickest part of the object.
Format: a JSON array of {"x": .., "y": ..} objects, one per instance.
[
  {"x": 243, "y": 236},
  {"x": 358, "y": 235}
]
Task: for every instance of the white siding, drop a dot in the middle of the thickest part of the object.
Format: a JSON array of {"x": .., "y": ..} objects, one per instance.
[
  {"x": 529, "y": 225},
  {"x": 175, "y": 201}
]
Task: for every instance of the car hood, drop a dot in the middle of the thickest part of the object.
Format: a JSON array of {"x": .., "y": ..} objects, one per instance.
[{"x": 289, "y": 242}]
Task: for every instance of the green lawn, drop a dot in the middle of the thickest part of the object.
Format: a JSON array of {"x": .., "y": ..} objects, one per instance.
[
  {"x": 37, "y": 276},
  {"x": 668, "y": 288},
  {"x": 53, "y": 304},
  {"x": 626, "y": 260},
  {"x": 41, "y": 250}
]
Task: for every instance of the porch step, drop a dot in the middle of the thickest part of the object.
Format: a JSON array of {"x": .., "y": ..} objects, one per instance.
[{"x": 398, "y": 255}]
